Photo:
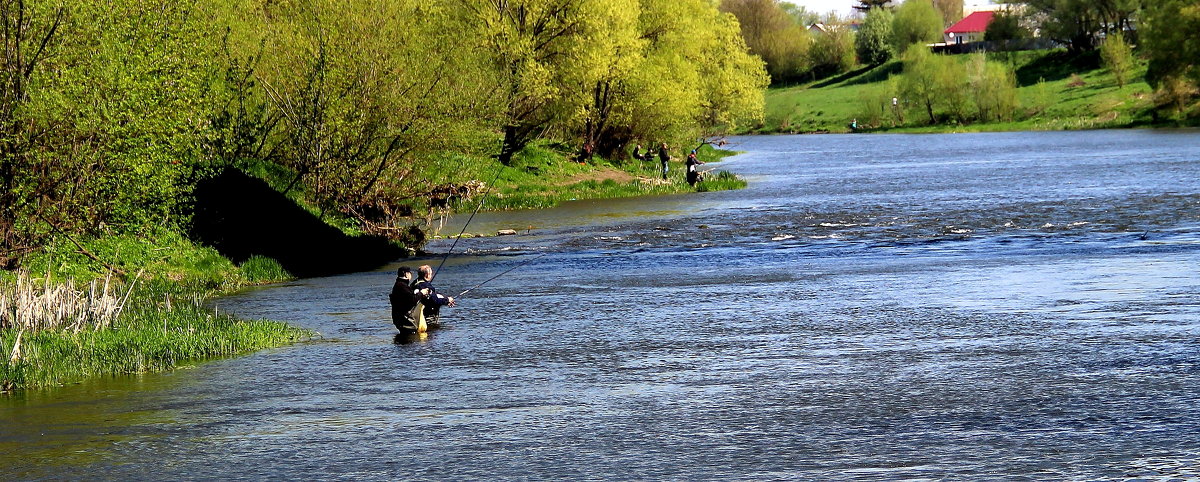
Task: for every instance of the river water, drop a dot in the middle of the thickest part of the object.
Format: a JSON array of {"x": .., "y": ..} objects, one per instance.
[{"x": 971, "y": 306}]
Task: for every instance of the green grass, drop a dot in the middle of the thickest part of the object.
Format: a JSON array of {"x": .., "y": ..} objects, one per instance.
[
  {"x": 162, "y": 258},
  {"x": 149, "y": 337},
  {"x": 542, "y": 176},
  {"x": 164, "y": 323},
  {"x": 1048, "y": 90}
]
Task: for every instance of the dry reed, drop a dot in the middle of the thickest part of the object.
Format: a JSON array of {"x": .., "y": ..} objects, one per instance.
[{"x": 30, "y": 304}]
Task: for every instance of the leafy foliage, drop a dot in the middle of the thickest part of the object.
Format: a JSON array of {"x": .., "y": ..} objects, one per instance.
[
  {"x": 1173, "y": 51},
  {"x": 951, "y": 10},
  {"x": 1006, "y": 26},
  {"x": 916, "y": 22},
  {"x": 874, "y": 40},
  {"x": 1117, "y": 57},
  {"x": 780, "y": 38},
  {"x": 1078, "y": 23},
  {"x": 112, "y": 111},
  {"x": 833, "y": 52}
]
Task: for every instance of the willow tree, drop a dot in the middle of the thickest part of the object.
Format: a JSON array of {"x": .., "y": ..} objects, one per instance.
[
  {"x": 916, "y": 22},
  {"x": 363, "y": 93},
  {"x": 539, "y": 52},
  {"x": 1173, "y": 50},
  {"x": 693, "y": 76},
  {"x": 774, "y": 34},
  {"x": 951, "y": 10}
]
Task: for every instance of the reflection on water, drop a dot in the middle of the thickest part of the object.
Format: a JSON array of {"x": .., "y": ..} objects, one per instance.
[{"x": 1020, "y": 305}]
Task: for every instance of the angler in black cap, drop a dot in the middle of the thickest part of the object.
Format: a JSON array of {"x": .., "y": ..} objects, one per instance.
[{"x": 404, "y": 298}]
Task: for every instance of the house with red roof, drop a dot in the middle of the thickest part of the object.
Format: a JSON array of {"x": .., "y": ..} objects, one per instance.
[{"x": 969, "y": 29}]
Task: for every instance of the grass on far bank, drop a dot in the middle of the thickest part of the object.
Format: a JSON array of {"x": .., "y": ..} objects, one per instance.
[
  {"x": 1055, "y": 90},
  {"x": 542, "y": 176}
]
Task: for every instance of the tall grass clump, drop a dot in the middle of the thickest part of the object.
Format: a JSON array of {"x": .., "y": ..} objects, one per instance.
[
  {"x": 721, "y": 181},
  {"x": 37, "y": 305},
  {"x": 261, "y": 269}
]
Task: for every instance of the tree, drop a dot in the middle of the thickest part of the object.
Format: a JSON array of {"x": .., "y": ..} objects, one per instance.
[
  {"x": 802, "y": 15},
  {"x": 348, "y": 96},
  {"x": 1005, "y": 28},
  {"x": 833, "y": 52},
  {"x": 993, "y": 87},
  {"x": 1078, "y": 23},
  {"x": 538, "y": 49},
  {"x": 1169, "y": 40},
  {"x": 951, "y": 10},
  {"x": 873, "y": 43},
  {"x": 773, "y": 34},
  {"x": 867, "y": 5},
  {"x": 102, "y": 109},
  {"x": 916, "y": 22},
  {"x": 1117, "y": 57},
  {"x": 919, "y": 83}
]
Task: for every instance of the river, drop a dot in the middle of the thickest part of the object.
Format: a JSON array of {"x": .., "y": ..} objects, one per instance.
[{"x": 969, "y": 306}]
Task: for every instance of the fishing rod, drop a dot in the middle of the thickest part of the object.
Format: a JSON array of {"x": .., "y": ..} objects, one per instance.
[
  {"x": 468, "y": 223},
  {"x": 509, "y": 270}
]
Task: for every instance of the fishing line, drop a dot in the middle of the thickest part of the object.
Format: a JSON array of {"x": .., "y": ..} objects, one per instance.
[
  {"x": 464, "y": 229},
  {"x": 523, "y": 263}
]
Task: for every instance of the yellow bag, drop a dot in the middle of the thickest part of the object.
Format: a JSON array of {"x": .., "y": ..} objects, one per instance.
[{"x": 417, "y": 315}]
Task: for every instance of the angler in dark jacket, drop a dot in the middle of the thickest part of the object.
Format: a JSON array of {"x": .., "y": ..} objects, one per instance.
[
  {"x": 404, "y": 298},
  {"x": 693, "y": 175}
]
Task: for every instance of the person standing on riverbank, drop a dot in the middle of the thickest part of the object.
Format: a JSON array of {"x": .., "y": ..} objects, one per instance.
[
  {"x": 404, "y": 298},
  {"x": 664, "y": 157},
  {"x": 430, "y": 298}
]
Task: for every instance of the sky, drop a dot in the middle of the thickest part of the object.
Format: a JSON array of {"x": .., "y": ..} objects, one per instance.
[{"x": 843, "y": 6}]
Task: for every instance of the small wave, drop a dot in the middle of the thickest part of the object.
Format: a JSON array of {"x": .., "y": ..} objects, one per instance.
[{"x": 783, "y": 237}]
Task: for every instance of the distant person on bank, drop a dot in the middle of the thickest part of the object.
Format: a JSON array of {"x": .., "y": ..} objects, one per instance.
[{"x": 664, "y": 157}]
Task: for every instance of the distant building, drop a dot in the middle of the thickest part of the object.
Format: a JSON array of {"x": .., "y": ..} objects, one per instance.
[{"x": 969, "y": 29}]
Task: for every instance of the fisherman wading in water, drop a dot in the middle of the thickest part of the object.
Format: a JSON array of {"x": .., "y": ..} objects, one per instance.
[
  {"x": 404, "y": 298},
  {"x": 430, "y": 298}
]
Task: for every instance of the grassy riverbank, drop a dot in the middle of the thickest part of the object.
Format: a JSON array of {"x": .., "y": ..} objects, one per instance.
[
  {"x": 1056, "y": 91},
  {"x": 542, "y": 176},
  {"x": 87, "y": 319}
]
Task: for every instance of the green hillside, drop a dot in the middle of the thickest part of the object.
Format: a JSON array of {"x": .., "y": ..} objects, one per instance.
[{"x": 1055, "y": 90}]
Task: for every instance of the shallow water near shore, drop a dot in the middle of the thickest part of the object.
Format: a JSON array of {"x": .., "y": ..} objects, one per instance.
[{"x": 1012, "y": 305}]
